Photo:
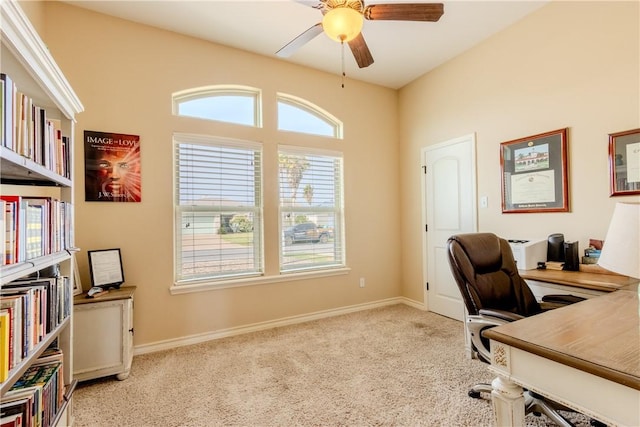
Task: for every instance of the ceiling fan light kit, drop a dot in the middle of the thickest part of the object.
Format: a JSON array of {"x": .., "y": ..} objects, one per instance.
[
  {"x": 342, "y": 24},
  {"x": 343, "y": 19}
]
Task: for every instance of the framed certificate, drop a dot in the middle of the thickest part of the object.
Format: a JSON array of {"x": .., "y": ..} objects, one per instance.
[
  {"x": 105, "y": 266},
  {"x": 624, "y": 162},
  {"x": 534, "y": 173}
]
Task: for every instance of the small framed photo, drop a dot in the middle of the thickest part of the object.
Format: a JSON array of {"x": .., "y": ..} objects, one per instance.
[
  {"x": 624, "y": 162},
  {"x": 534, "y": 173},
  {"x": 77, "y": 284},
  {"x": 105, "y": 266}
]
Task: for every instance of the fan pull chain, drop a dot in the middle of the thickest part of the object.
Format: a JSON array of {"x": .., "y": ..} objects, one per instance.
[{"x": 343, "y": 73}]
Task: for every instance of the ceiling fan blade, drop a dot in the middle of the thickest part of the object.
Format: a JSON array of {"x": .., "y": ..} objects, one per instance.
[
  {"x": 404, "y": 12},
  {"x": 316, "y": 4},
  {"x": 295, "y": 44},
  {"x": 361, "y": 51}
]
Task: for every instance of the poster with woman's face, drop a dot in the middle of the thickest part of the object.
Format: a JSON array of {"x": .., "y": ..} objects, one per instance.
[{"x": 112, "y": 167}]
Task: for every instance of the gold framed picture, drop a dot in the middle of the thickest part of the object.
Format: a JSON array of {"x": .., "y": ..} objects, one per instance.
[
  {"x": 624, "y": 162},
  {"x": 534, "y": 173}
]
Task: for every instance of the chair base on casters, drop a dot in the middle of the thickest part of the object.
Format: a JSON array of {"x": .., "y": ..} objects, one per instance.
[
  {"x": 479, "y": 388},
  {"x": 533, "y": 404}
]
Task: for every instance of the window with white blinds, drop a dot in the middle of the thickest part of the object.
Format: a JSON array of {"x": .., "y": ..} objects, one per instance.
[
  {"x": 218, "y": 208},
  {"x": 311, "y": 209}
]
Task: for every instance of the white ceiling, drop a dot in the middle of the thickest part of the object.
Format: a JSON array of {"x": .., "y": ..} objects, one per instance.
[{"x": 402, "y": 50}]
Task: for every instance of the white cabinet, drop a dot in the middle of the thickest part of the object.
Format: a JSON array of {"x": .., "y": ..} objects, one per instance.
[{"x": 103, "y": 335}]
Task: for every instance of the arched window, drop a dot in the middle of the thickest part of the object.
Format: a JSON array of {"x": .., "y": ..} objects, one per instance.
[
  {"x": 298, "y": 115},
  {"x": 218, "y": 205},
  {"x": 224, "y": 103}
]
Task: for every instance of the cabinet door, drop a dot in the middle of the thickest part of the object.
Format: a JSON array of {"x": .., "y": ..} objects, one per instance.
[{"x": 100, "y": 333}]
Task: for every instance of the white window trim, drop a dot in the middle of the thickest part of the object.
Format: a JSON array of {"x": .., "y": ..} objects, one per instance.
[
  {"x": 196, "y": 138},
  {"x": 209, "y": 285},
  {"x": 314, "y": 110},
  {"x": 219, "y": 90},
  {"x": 213, "y": 284}
]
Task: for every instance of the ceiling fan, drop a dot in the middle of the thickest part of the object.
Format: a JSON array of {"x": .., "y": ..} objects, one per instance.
[{"x": 343, "y": 19}]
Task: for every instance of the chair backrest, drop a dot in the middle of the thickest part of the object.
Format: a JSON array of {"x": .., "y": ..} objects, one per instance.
[{"x": 486, "y": 273}]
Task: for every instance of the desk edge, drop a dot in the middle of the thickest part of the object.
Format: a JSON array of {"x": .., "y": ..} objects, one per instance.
[{"x": 592, "y": 368}]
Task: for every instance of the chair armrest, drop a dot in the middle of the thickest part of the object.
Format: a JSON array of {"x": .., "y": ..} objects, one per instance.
[
  {"x": 500, "y": 314},
  {"x": 562, "y": 299}
]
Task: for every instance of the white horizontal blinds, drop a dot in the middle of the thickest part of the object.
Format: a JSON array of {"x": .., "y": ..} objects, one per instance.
[
  {"x": 311, "y": 193},
  {"x": 218, "y": 208}
]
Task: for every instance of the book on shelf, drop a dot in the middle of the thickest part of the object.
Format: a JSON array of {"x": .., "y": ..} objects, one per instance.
[
  {"x": 14, "y": 420},
  {"x": 41, "y": 383},
  {"x": 14, "y": 225},
  {"x": 2, "y": 110},
  {"x": 55, "y": 144},
  {"x": 34, "y": 215},
  {"x": 8, "y": 340},
  {"x": 5, "y": 338},
  {"x": 53, "y": 355},
  {"x": 13, "y": 304},
  {"x": 31, "y": 312},
  {"x": 44, "y": 290},
  {"x": 3, "y": 225},
  {"x": 22, "y": 405},
  {"x": 26, "y": 130},
  {"x": 35, "y": 226},
  {"x": 38, "y": 217},
  {"x": 8, "y": 96},
  {"x": 26, "y": 401},
  {"x": 23, "y": 117},
  {"x": 9, "y": 233},
  {"x": 22, "y": 333},
  {"x": 39, "y": 305}
]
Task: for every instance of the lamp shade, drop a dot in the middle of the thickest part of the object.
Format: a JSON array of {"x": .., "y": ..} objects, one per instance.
[
  {"x": 621, "y": 253},
  {"x": 342, "y": 24}
]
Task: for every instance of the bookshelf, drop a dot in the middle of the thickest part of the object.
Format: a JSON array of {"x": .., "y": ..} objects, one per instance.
[{"x": 36, "y": 162}]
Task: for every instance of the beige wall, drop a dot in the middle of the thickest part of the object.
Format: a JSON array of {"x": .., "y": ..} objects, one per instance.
[
  {"x": 125, "y": 73},
  {"x": 569, "y": 64},
  {"x": 35, "y": 12}
]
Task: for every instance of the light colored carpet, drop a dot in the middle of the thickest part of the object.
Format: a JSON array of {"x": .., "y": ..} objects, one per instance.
[{"x": 392, "y": 366}]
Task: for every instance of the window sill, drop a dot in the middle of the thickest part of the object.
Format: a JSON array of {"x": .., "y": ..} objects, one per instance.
[{"x": 252, "y": 281}]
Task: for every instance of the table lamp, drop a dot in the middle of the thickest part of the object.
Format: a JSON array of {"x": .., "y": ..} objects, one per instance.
[{"x": 621, "y": 249}]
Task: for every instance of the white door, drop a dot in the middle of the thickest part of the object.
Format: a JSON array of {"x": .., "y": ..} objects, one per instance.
[{"x": 449, "y": 208}]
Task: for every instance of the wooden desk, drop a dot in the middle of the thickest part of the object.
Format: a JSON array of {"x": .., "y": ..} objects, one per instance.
[
  {"x": 586, "y": 356},
  {"x": 578, "y": 283},
  {"x": 579, "y": 279}
]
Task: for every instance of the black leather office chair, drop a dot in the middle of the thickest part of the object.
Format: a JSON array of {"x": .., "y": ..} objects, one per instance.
[{"x": 494, "y": 294}]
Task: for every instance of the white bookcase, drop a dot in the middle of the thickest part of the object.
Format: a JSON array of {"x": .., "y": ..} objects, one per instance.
[{"x": 27, "y": 61}]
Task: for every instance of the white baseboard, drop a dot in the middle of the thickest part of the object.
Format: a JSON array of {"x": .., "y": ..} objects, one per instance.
[
  {"x": 208, "y": 336},
  {"x": 413, "y": 303}
]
